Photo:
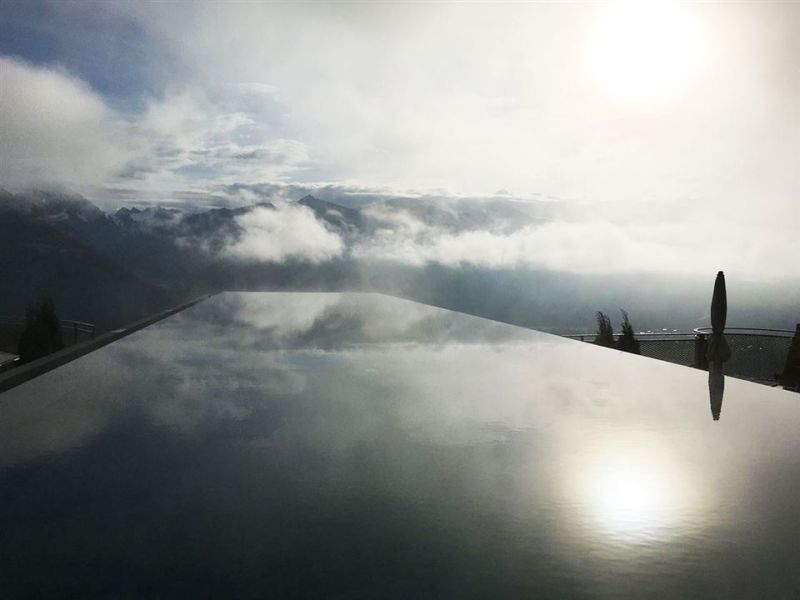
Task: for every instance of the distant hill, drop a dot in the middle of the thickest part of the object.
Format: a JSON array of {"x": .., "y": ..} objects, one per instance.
[
  {"x": 112, "y": 268},
  {"x": 38, "y": 260},
  {"x": 348, "y": 220}
]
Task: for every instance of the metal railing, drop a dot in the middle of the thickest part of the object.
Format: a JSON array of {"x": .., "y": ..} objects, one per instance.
[
  {"x": 757, "y": 354},
  {"x": 747, "y": 331},
  {"x": 72, "y": 332},
  {"x": 642, "y": 335},
  {"x": 23, "y": 373}
]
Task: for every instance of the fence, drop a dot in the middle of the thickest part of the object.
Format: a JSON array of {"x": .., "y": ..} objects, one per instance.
[
  {"x": 72, "y": 332},
  {"x": 756, "y": 354}
]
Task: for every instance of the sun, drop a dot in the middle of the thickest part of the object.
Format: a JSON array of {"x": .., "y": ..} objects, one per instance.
[{"x": 644, "y": 51}]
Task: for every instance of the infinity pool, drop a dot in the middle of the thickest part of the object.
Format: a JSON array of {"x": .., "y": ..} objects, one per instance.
[{"x": 360, "y": 446}]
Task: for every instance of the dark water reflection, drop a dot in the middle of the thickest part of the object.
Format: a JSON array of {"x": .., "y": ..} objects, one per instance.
[
  {"x": 716, "y": 389},
  {"x": 324, "y": 445}
]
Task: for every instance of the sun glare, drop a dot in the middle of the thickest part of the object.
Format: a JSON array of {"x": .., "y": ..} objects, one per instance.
[
  {"x": 631, "y": 500},
  {"x": 645, "y": 50},
  {"x": 632, "y": 489}
]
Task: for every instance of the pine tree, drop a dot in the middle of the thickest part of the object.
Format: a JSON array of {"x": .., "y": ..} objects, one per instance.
[
  {"x": 42, "y": 334},
  {"x": 605, "y": 333},
  {"x": 627, "y": 341}
]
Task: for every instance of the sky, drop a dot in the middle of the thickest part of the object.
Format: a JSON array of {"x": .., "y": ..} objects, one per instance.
[{"x": 667, "y": 134}]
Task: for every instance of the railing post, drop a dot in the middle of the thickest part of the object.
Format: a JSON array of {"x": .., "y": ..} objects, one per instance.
[
  {"x": 700, "y": 348},
  {"x": 790, "y": 377}
]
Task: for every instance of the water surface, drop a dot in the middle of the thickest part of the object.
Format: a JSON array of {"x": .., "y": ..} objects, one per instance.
[{"x": 361, "y": 446}]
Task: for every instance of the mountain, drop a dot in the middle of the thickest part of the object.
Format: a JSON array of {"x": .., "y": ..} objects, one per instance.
[
  {"x": 107, "y": 268},
  {"x": 163, "y": 252},
  {"x": 147, "y": 218},
  {"x": 40, "y": 260},
  {"x": 69, "y": 213},
  {"x": 347, "y": 220}
]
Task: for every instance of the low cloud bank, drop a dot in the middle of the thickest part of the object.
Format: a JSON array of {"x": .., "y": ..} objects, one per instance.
[
  {"x": 391, "y": 234},
  {"x": 286, "y": 232},
  {"x": 589, "y": 247}
]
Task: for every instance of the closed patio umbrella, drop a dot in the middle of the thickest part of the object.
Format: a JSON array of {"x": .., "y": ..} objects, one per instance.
[{"x": 718, "y": 349}]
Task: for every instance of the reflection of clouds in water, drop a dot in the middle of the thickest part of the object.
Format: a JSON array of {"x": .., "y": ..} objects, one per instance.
[
  {"x": 546, "y": 451},
  {"x": 334, "y": 321},
  {"x": 283, "y": 319},
  {"x": 204, "y": 384},
  {"x": 338, "y": 371},
  {"x": 222, "y": 359},
  {"x": 54, "y": 413},
  {"x": 237, "y": 354},
  {"x": 543, "y": 453},
  {"x": 201, "y": 383},
  {"x": 355, "y": 316},
  {"x": 435, "y": 373}
]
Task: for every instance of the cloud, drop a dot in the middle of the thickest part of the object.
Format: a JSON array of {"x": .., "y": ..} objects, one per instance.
[
  {"x": 189, "y": 129},
  {"x": 54, "y": 129},
  {"x": 675, "y": 238},
  {"x": 505, "y": 95},
  {"x": 467, "y": 98},
  {"x": 189, "y": 141},
  {"x": 287, "y": 232},
  {"x": 588, "y": 246}
]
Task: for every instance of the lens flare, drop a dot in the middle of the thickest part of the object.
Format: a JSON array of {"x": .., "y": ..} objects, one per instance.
[{"x": 645, "y": 50}]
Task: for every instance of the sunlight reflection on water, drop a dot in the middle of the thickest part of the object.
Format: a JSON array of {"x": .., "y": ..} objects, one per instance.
[{"x": 633, "y": 490}]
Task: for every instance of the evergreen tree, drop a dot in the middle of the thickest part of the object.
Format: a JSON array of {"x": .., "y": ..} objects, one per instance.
[
  {"x": 42, "y": 334},
  {"x": 605, "y": 333},
  {"x": 627, "y": 342}
]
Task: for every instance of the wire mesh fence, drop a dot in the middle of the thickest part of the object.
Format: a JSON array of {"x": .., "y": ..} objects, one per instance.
[
  {"x": 755, "y": 355},
  {"x": 680, "y": 351}
]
